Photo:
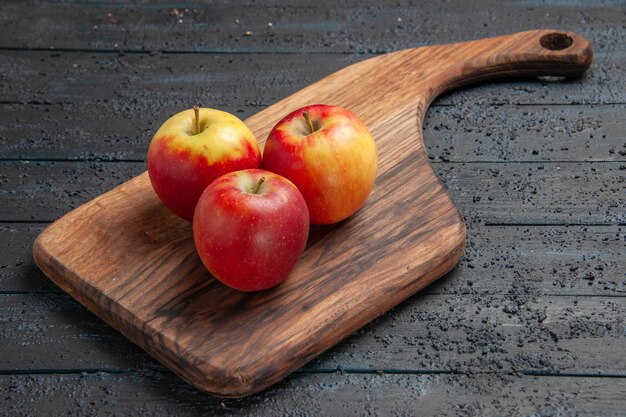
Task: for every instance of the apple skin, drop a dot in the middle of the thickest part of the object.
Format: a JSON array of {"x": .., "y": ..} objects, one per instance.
[
  {"x": 182, "y": 164},
  {"x": 250, "y": 241},
  {"x": 334, "y": 167}
]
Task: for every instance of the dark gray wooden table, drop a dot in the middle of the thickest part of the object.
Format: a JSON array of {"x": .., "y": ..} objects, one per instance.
[{"x": 532, "y": 322}]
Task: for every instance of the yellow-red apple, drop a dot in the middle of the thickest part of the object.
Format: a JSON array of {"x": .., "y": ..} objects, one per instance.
[
  {"x": 250, "y": 228},
  {"x": 329, "y": 154},
  {"x": 193, "y": 148}
]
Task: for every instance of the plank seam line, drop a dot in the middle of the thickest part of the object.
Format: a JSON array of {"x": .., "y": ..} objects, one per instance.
[
  {"x": 25, "y": 222},
  {"x": 557, "y": 161},
  {"x": 434, "y": 104},
  {"x": 63, "y": 371},
  {"x": 573, "y": 375},
  {"x": 33, "y": 292},
  {"x": 116, "y": 160},
  {"x": 59, "y": 292},
  {"x": 180, "y": 52},
  {"x": 339, "y": 370},
  {"x": 438, "y": 162},
  {"x": 487, "y": 224},
  {"x": 590, "y": 224}
]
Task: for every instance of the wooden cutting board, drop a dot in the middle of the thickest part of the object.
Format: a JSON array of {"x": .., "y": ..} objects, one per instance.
[{"x": 133, "y": 263}]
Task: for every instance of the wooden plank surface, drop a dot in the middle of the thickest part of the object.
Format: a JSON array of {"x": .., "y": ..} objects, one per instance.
[
  {"x": 486, "y": 192},
  {"x": 157, "y": 394},
  {"x": 134, "y": 82},
  {"x": 362, "y": 27},
  {"x": 323, "y": 26},
  {"x": 461, "y": 332},
  {"x": 69, "y": 125},
  {"x": 468, "y": 133}
]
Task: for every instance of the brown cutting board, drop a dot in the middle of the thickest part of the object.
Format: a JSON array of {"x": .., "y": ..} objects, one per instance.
[{"x": 129, "y": 260}]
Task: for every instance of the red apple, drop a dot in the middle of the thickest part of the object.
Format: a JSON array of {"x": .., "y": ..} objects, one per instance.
[
  {"x": 250, "y": 228},
  {"x": 329, "y": 154},
  {"x": 193, "y": 148}
]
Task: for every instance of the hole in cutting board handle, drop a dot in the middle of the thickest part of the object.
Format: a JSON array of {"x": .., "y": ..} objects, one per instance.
[{"x": 556, "y": 41}]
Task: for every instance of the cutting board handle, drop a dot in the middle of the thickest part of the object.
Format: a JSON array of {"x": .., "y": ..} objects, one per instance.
[
  {"x": 533, "y": 53},
  {"x": 381, "y": 88}
]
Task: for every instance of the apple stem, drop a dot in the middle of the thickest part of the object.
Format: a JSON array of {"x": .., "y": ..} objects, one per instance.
[
  {"x": 308, "y": 121},
  {"x": 258, "y": 185},
  {"x": 196, "y": 110}
]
